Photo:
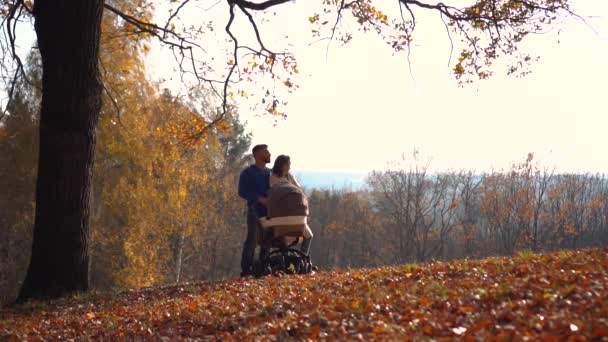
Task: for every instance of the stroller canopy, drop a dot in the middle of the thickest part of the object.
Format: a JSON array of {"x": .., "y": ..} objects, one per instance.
[{"x": 287, "y": 212}]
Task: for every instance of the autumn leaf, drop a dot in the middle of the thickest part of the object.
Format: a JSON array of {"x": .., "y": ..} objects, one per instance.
[
  {"x": 342, "y": 305},
  {"x": 458, "y": 69}
]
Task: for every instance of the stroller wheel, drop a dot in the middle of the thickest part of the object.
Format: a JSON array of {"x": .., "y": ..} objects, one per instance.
[
  {"x": 277, "y": 266},
  {"x": 302, "y": 267}
]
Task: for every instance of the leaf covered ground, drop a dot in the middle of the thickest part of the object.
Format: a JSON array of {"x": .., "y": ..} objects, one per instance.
[{"x": 549, "y": 297}]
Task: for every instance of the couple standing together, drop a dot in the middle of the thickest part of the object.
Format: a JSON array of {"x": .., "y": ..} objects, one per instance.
[{"x": 254, "y": 183}]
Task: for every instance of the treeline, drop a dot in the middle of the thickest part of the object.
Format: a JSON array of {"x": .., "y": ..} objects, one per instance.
[{"x": 411, "y": 215}]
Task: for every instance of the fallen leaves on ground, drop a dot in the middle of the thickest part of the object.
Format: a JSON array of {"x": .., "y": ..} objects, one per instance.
[{"x": 548, "y": 297}]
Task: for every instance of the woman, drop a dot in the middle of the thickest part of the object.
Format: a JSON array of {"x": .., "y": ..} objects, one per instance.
[
  {"x": 280, "y": 172},
  {"x": 280, "y": 175}
]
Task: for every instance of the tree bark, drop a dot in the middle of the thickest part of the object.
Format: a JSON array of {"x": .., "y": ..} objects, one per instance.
[{"x": 68, "y": 33}]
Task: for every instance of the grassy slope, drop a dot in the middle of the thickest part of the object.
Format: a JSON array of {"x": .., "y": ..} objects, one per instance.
[{"x": 538, "y": 295}]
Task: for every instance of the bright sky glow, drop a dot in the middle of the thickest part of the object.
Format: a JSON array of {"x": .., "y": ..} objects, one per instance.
[{"x": 359, "y": 107}]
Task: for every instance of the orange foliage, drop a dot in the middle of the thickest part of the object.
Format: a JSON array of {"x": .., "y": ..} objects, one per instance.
[{"x": 531, "y": 297}]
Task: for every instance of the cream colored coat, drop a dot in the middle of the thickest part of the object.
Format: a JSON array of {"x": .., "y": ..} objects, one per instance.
[{"x": 274, "y": 179}]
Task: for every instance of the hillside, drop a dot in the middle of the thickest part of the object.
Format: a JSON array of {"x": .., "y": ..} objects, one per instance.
[{"x": 555, "y": 295}]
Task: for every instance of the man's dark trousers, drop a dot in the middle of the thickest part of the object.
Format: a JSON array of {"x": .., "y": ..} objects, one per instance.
[{"x": 253, "y": 229}]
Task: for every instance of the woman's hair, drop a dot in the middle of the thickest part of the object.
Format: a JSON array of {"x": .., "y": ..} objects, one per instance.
[{"x": 281, "y": 160}]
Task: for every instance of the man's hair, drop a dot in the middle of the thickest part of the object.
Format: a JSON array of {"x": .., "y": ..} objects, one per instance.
[{"x": 259, "y": 148}]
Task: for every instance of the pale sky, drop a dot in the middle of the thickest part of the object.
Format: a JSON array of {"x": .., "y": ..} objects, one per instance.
[{"x": 360, "y": 108}]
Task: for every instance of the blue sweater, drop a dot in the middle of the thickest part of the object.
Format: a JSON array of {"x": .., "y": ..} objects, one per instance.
[{"x": 253, "y": 184}]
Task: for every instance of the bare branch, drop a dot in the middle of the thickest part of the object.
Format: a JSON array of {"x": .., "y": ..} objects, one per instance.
[
  {"x": 235, "y": 56},
  {"x": 173, "y": 15},
  {"x": 183, "y": 48},
  {"x": 11, "y": 93},
  {"x": 154, "y": 30},
  {"x": 255, "y": 29},
  {"x": 341, "y": 7},
  {"x": 260, "y": 6},
  {"x": 412, "y": 28},
  {"x": 413, "y": 24},
  {"x": 447, "y": 30},
  {"x": 10, "y": 23},
  {"x": 109, "y": 93}
]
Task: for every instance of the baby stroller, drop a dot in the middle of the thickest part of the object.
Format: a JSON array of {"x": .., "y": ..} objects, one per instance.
[{"x": 280, "y": 232}]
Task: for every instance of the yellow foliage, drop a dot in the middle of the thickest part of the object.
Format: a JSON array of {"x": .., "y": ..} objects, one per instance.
[{"x": 146, "y": 180}]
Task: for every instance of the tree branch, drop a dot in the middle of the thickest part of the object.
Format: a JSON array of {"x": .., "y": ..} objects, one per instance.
[
  {"x": 333, "y": 30},
  {"x": 174, "y": 14},
  {"x": 235, "y": 56},
  {"x": 154, "y": 30},
  {"x": 10, "y": 22},
  {"x": 259, "y": 6},
  {"x": 255, "y": 29}
]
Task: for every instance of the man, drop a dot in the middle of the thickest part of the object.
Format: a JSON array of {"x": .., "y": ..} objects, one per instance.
[{"x": 253, "y": 187}]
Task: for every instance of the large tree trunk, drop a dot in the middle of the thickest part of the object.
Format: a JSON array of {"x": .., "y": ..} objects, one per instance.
[{"x": 68, "y": 34}]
